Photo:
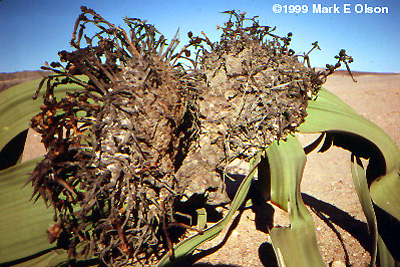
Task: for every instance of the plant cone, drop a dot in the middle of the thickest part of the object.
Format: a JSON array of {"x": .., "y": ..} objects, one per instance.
[
  {"x": 113, "y": 147},
  {"x": 257, "y": 92}
]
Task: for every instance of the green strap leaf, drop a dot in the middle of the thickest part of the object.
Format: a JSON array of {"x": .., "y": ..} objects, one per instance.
[
  {"x": 297, "y": 245},
  {"x": 386, "y": 193},
  {"x": 329, "y": 114},
  {"x": 361, "y": 185},
  {"x": 187, "y": 246},
  {"x": 17, "y": 107},
  {"x": 23, "y": 224},
  {"x": 201, "y": 218},
  {"x": 385, "y": 258}
]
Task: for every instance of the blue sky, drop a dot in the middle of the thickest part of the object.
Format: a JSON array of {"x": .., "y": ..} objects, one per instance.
[{"x": 33, "y": 31}]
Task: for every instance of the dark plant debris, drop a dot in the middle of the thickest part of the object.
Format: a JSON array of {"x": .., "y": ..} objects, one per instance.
[{"x": 146, "y": 133}]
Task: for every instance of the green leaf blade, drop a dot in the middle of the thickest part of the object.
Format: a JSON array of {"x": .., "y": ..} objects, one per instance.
[
  {"x": 24, "y": 224},
  {"x": 361, "y": 185},
  {"x": 187, "y": 246},
  {"x": 336, "y": 117},
  {"x": 328, "y": 114},
  {"x": 17, "y": 107},
  {"x": 297, "y": 245}
]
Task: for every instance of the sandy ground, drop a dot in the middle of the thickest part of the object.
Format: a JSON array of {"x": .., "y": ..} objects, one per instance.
[{"x": 327, "y": 186}]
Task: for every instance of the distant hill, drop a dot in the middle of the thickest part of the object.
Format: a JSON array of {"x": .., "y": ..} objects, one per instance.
[
  {"x": 8, "y": 80},
  {"x": 360, "y": 73}
]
